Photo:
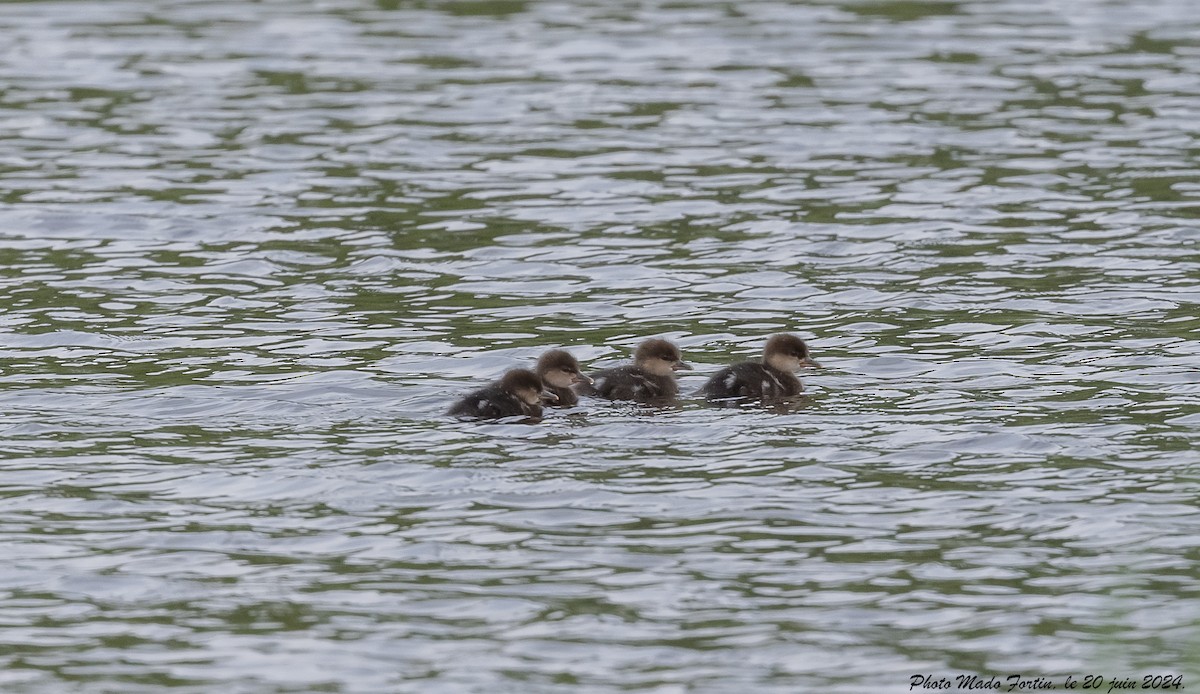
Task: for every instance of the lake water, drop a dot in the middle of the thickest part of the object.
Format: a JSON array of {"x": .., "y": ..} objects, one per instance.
[{"x": 253, "y": 251}]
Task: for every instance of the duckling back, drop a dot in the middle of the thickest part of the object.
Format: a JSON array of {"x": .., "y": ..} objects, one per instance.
[
  {"x": 632, "y": 383},
  {"x": 751, "y": 381},
  {"x": 492, "y": 402}
]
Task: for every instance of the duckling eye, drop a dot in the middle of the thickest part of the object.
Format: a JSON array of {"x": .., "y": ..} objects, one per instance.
[{"x": 565, "y": 370}]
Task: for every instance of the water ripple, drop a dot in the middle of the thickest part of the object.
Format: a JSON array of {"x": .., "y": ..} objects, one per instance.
[{"x": 252, "y": 253}]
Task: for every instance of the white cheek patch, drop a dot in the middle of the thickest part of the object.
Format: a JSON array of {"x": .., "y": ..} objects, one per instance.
[{"x": 730, "y": 380}]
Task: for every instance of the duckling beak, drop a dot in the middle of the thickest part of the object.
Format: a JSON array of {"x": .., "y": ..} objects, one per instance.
[
  {"x": 681, "y": 366},
  {"x": 580, "y": 378},
  {"x": 549, "y": 398},
  {"x": 808, "y": 361}
]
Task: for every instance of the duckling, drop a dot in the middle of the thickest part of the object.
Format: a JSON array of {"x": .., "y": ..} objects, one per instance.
[
  {"x": 518, "y": 393},
  {"x": 559, "y": 371},
  {"x": 650, "y": 378},
  {"x": 768, "y": 381}
]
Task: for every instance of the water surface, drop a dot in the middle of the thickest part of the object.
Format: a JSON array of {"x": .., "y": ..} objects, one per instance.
[{"x": 252, "y": 252}]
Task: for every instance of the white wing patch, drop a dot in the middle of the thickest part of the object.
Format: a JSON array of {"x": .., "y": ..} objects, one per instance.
[{"x": 730, "y": 380}]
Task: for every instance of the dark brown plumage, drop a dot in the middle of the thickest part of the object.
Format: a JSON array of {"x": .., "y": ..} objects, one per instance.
[
  {"x": 769, "y": 381},
  {"x": 650, "y": 378},
  {"x": 518, "y": 393}
]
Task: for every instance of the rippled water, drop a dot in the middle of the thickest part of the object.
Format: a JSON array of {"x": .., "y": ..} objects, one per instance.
[{"x": 252, "y": 251}]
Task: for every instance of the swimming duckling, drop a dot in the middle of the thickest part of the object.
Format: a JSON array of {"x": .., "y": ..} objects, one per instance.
[
  {"x": 651, "y": 377},
  {"x": 518, "y": 393},
  {"x": 769, "y": 381},
  {"x": 559, "y": 371}
]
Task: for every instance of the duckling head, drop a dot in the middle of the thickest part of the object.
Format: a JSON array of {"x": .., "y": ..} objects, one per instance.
[
  {"x": 659, "y": 357},
  {"x": 787, "y": 353},
  {"x": 558, "y": 369},
  {"x": 524, "y": 385}
]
